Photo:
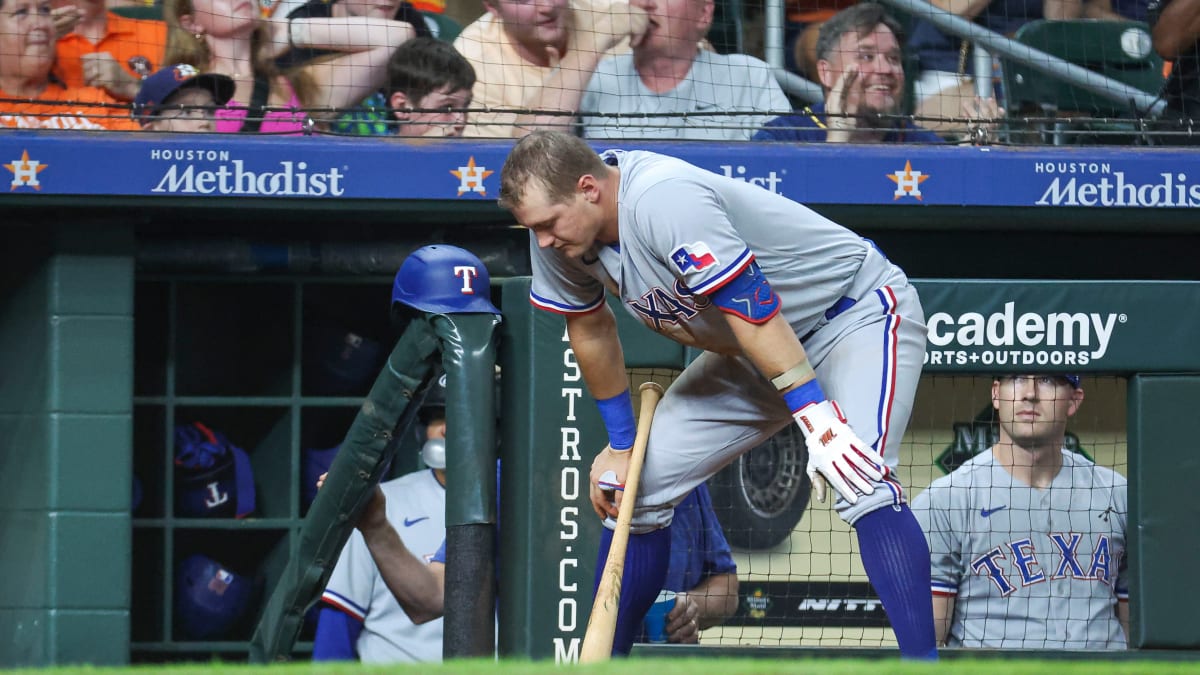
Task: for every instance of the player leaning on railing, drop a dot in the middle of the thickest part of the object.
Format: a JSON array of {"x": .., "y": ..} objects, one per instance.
[{"x": 792, "y": 311}]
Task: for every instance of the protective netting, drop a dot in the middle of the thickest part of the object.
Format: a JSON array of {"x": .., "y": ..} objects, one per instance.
[{"x": 799, "y": 71}]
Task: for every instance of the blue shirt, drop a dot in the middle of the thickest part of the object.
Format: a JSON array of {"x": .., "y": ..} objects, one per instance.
[
  {"x": 808, "y": 126},
  {"x": 698, "y": 546}
]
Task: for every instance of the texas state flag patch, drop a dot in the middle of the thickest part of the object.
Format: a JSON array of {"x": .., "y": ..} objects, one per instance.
[{"x": 695, "y": 256}]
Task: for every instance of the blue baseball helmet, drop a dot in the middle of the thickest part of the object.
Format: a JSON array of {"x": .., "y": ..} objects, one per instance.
[
  {"x": 213, "y": 477},
  {"x": 444, "y": 279},
  {"x": 209, "y": 598},
  {"x": 340, "y": 362}
]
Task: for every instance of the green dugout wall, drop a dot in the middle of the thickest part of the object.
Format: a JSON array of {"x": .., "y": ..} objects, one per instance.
[
  {"x": 1132, "y": 329},
  {"x": 67, "y": 442}
]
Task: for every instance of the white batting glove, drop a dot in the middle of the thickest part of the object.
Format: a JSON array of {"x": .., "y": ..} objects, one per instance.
[{"x": 835, "y": 454}]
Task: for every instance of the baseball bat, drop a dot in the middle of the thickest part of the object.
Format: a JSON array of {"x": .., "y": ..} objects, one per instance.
[{"x": 602, "y": 624}]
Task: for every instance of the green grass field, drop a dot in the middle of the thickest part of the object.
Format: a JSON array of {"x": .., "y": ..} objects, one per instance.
[{"x": 667, "y": 666}]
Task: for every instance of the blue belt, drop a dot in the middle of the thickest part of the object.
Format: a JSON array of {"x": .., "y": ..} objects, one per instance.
[{"x": 844, "y": 303}]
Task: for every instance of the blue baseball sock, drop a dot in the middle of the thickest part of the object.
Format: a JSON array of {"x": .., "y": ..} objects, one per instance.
[
  {"x": 646, "y": 560},
  {"x": 896, "y": 556}
]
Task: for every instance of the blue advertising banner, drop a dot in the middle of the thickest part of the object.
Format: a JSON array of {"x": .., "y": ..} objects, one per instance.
[{"x": 217, "y": 165}]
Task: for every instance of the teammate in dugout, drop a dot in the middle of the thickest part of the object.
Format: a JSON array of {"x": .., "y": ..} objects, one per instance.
[
  {"x": 792, "y": 310},
  {"x": 377, "y": 616},
  {"x": 1027, "y": 539}
]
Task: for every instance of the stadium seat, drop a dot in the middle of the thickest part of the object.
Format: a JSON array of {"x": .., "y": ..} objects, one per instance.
[
  {"x": 444, "y": 28},
  {"x": 1120, "y": 50},
  {"x": 139, "y": 12}
]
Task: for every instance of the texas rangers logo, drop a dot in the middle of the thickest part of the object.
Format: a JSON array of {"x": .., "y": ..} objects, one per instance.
[
  {"x": 908, "y": 182},
  {"x": 470, "y": 177},
  {"x": 661, "y": 310},
  {"x": 695, "y": 256},
  {"x": 25, "y": 172},
  {"x": 468, "y": 273}
]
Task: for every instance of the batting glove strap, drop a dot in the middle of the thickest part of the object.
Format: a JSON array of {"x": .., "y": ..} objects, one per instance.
[{"x": 836, "y": 454}]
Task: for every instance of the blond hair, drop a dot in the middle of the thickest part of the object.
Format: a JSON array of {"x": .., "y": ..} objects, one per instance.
[{"x": 552, "y": 159}]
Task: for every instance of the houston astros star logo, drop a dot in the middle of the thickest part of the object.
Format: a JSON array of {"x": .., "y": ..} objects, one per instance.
[
  {"x": 470, "y": 177},
  {"x": 908, "y": 182},
  {"x": 25, "y": 172}
]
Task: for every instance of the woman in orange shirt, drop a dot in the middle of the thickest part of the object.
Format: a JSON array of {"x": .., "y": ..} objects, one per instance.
[{"x": 29, "y": 97}]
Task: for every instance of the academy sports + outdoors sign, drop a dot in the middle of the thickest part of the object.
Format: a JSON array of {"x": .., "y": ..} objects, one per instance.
[
  {"x": 988, "y": 326},
  {"x": 232, "y": 166}
]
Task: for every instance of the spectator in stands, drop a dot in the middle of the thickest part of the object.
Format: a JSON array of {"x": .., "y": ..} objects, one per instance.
[
  {"x": 801, "y": 30},
  {"x": 860, "y": 67},
  {"x": 1176, "y": 37},
  {"x": 945, "y": 61},
  {"x": 428, "y": 74},
  {"x": 109, "y": 51},
  {"x": 1027, "y": 539},
  {"x": 668, "y": 71},
  {"x": 341, "y": 9},
  {"x": 425, "y": 75},
  {"x": 26, "y": 57},
  {"x": 371, "y": 117},
  {"x": 233, "y": 40},
  {"x": 179, "y": 98},
  {"x": 518, "y": 45}
]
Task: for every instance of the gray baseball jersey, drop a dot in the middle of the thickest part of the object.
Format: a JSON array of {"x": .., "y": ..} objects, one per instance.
[
  {"x": 684, "y": 232},
  {"x": 416, "y": 507},
  {"x": 1030, "y": 568}
]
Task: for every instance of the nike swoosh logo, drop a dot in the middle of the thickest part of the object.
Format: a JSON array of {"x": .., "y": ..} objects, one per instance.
[
  {"x": 987, "y": 512},
  {"x": 414, "y": 521}
]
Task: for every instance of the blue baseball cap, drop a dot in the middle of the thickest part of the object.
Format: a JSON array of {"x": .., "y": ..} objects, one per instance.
[
  {"x": 213, "y": 477},
  {"x": 160, "y": 86}
]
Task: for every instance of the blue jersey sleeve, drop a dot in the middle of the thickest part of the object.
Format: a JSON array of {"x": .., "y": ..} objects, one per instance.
[
  {"x": 337, "y": 633},
  {"x": 440, "y": 556}
]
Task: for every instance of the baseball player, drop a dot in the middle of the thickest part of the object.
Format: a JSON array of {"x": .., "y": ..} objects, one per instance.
[
  {"x": 793, "y": 312},
  {"x": 1027, "y": 539},
  {"x": 385, "y": 617}
]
